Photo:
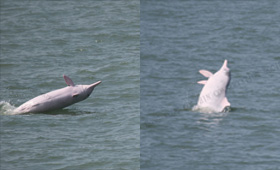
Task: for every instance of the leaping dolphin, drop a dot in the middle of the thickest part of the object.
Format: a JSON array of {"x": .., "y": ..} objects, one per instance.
[
  {"x": 213, "y": 95},
  {"x": 57, "y": 99}
]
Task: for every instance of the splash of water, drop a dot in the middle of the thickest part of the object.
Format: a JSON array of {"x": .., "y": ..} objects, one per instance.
[
  {"x": 209, "y": 110},
  {"x": 6, "y": 108}
]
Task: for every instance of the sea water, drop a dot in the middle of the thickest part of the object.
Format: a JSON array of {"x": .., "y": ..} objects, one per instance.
[
  {"x": 87, "y": 41},
  {"x": 178, "y": 38}
]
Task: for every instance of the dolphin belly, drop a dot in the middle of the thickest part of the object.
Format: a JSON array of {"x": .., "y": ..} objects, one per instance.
[
  {"x": 47, "y": 102},
  {"x": 213, "y": 94}
]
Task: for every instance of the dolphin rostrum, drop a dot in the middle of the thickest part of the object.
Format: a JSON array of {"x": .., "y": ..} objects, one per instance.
[
  {"x": 57, "y": 99},
  {"x": 213, "y": 95}
]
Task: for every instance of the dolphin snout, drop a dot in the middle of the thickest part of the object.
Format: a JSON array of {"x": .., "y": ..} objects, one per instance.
[
  {"x": 225, "y": 63},
  {"x": 95, "y": 84}
]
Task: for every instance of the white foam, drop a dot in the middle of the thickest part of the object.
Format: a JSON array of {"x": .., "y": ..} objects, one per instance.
[{"x": 6, "y": 108}]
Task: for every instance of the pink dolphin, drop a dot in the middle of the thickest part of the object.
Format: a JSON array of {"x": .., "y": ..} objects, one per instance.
[
  {"x": 57, "y": 99},
  {"x": 213, "y": 95}
]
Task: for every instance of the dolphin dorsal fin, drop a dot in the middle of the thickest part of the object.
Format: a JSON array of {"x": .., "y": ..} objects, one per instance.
[
  {"x": 202, "y": 82},
  {"x": 206, "y": 73},
  {"x": 68, "y": 81}
]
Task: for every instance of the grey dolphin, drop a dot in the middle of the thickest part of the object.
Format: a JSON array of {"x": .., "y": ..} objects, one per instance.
[
  {"x": 57, "y": 99},
  {"x": 213, "y": 94}
]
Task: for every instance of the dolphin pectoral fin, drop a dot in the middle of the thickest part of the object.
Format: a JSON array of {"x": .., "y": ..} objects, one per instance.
[
  {"x": 206, "y": 73},
  {"x": 68, "y": 81},
  {"x": 75, "y": 95},
  {"x": 202, "y": 82}
]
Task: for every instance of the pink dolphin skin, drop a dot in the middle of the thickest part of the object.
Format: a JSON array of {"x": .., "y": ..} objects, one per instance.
[
  {"x": 57, "y": 99},
  {"x": 213, "y": 95}
]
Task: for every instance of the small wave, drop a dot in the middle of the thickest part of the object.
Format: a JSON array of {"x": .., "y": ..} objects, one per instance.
[
  {"x": 209, "y": 117},
  {"x": 209, "y": 110},
  {"x": 202, "y": 109},
  {"x": 6, "y": 108}
]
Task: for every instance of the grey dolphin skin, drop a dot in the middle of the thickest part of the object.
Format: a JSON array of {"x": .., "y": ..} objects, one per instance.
[
  {"x": 213, "y": 94},
  {"x": 57, "y": 99}
]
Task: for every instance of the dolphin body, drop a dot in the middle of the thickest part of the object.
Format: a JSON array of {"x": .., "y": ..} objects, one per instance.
[
  {"x": 213, "y": 95},
  {"x": 57, "y": 99}
]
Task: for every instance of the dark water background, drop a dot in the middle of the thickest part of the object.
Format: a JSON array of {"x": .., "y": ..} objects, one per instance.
[
  {"x": 180, "y": 37},
  {"x": 88, "y": 41}
]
